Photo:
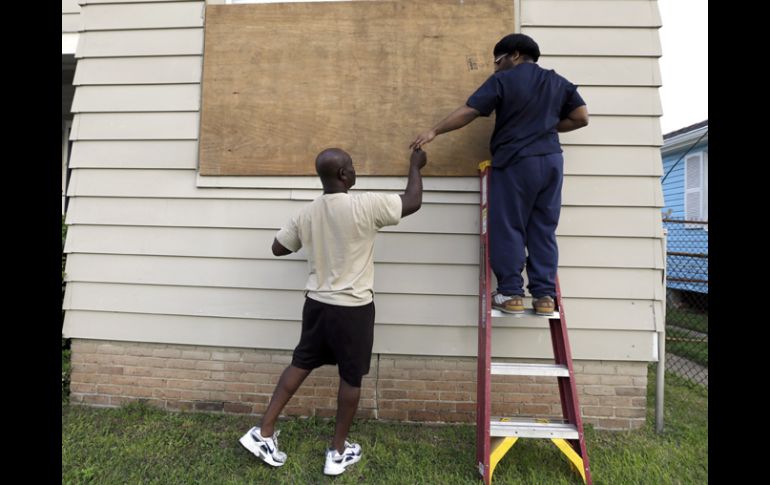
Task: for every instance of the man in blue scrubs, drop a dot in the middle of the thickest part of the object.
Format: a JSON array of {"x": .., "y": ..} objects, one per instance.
[{"x": 532, "y": 105}]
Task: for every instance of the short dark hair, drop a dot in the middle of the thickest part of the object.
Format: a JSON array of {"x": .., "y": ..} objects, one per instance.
[{"x": 524, "y": 44}]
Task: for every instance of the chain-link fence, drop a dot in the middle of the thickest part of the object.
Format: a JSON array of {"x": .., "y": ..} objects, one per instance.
[{"x": 687, "y": 322}]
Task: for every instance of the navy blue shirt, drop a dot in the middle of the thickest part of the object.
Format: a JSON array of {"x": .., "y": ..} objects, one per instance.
[{"x": 529, "y": 102}]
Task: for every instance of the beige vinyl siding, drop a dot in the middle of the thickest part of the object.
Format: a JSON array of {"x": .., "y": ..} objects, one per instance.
[
  {"x": 156, "y": 154},
  {"x": 590, "y": 13},
  {"x": 612, "y": 160},
  {"x": 139, "y": 71},
  {"x": 595, "y": 41},
  {"x": 603, "y": 130},
  {"x": 97, "y": 2},
  {"x": 604, "y": 100},
  {"x": 159, "y": 42},
  {"x": 158, "y": 253},
  {"x": 402, "y": 309},
  {"x": 617, "y": 130},
  {"x": 584, "y": 71},
  {"x": 159, "y": 15},
  {"x": 389, "y": 339},
  {"x": 267, "y": 274},
  {"x": 70, "y": 6},
  {"x": 286, "y": 305},
  {"x": 605, "y": 71},
  {"x": 606, "y": 130},
  {"x": 148, "y": 98},
  {"x": 634, "y": 315},
  {"x": 574, "y": 251},
  {"x": 272, "y": 214},
  {"x": 70, "y": 16},
  {"x": 175, "y": 154},
  {"x": 578, "y": 190},
  {"x": 623, "y": 101},
  {"x": 70, "y": 23},
  {"x": 135, "y": 126}
]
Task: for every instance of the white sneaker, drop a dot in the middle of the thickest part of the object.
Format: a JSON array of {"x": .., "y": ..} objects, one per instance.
[
  {"x": 336, "y": 463},
  {"x": 266, "y": 449}
]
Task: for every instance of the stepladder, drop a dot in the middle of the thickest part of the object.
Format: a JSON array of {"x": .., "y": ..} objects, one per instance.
[{"x": 496, "y": 435}]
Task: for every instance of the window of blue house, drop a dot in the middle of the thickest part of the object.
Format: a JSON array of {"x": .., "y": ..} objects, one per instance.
[{"x": 696, "y": 189}]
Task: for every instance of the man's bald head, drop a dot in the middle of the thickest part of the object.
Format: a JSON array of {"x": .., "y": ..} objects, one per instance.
[
  {"x": 335, "y": 168},
  {"x": 329, "y": 162}
]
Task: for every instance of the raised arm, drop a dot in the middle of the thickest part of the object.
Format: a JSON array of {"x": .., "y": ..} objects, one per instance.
[
  {"x": 456, "y": 119},
  {"x": 411, "y": 199}
]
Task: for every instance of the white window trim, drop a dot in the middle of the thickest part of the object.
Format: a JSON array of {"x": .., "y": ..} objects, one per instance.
[
  {"x": 705, "y": 190},
  {"x": 701, "y": 158}
]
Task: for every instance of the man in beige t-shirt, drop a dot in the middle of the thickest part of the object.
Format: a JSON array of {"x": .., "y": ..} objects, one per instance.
[{"x": 337, "y": 231}]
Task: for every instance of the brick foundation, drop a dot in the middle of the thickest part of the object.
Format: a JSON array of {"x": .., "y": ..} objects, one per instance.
[{"x": 398, "y": 388}]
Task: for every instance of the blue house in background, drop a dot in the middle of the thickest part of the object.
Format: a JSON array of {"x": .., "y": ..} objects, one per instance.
[{"x": 685, "y": 215}]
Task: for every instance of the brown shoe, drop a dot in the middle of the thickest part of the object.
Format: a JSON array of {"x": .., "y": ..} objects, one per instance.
[
  {"x": 508, "y": 304},
  {"x": 543, "y": 305}
]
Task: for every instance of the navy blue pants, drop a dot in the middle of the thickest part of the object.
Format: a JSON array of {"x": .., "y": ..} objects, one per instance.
[{"x": 524, "y": 208}]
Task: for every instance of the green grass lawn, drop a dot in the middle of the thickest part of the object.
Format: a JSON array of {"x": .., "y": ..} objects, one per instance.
[
  {"x": 687, "y": 318},
  {"x": 140, "y": 444}
]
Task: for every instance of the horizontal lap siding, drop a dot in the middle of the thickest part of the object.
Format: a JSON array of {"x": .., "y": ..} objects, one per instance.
[
  {"x": 158, "y": 253},
  {"x": 70, "y": 16},
  {"x": 389, "y": 339}
]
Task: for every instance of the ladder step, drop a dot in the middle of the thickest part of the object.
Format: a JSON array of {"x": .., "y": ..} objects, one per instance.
[
  {"x": 524, "y": 428},
  {"x": 528, "y": 312},
  {"x": 515, "y": 369}
]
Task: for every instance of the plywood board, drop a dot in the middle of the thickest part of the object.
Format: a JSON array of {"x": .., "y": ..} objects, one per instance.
[{"x": 283, "y": 81}]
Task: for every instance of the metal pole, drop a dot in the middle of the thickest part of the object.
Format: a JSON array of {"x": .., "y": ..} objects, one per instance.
[
  {"x": 660, "y": 375},
  {"x": 659, "y": 382}
]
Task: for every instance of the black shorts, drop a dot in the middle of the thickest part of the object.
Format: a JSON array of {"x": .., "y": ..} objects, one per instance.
[{"x": 341, "y": 335}]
